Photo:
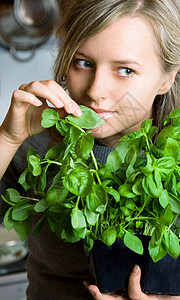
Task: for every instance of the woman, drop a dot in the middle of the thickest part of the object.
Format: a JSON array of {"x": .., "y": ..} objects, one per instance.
[{"x": 122, "y": 59}]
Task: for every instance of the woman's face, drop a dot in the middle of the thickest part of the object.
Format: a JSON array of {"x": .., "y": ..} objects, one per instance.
[{"x": 118, "y": 74}]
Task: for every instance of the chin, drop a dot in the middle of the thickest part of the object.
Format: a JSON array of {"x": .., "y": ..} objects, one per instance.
[{"x": 103, "y": 132}]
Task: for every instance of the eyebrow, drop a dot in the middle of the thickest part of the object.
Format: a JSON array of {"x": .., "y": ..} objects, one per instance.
[
  {"x": 127, "y": 62},
  {"x": 121, "y": 62}
]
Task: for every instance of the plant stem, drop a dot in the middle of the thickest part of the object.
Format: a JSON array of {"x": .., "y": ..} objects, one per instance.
[
  {"x": 92, "y": 153},
  {"x": 80, "y": 129},
  {"x": 94, "y": 160},
  {"x": 97, "y": 176},
  {"x": 134, "y": 172},
  {"x": 77, "y": 203}
]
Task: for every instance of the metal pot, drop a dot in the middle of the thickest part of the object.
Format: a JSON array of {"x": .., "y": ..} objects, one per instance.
[
  {"x": 26, "y": 24},
  {"x": 12, "y": 249}
]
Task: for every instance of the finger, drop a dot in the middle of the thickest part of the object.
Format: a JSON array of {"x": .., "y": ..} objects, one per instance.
[
  {"x": 97, "y": 295},
  {"x": 41, "y": 93},
  {"x": 69, "y": 105},
  {"x": 134, "y": 287},
  {"x": 20, "y": 96},
  {"x": 55, "y": 94}
]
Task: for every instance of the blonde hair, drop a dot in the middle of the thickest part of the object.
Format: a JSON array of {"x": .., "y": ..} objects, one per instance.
[{"x": 82, "y": 19}]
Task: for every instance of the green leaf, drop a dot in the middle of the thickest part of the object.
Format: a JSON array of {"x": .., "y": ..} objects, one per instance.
[
  {"x": 97, "y": 199},
  {"x": 41, "y": 206},
  {"x": 34, "y": 164},
  {"x": 49, "y": 118},
  {"x": 165, "y": 166},
  {"x": 125, "y": 190},
  {"x": 166, "y": 216},
  {"x": 152, "y": 131},
  {"x": 81, "y": 232},
  {"x": 175, "y": 115},
  {"x": 152, "y": 184},
  {"x": 30, "y": 179},
  {"x": 175, "y": 203},
  {"x": 114, "y": 161},
  {"x": 172, "y": 148},
  {"x": 39, "y": 225},
  {"x": 53, "y": 153},
  {"x": 8, "y": 222},
  {"x": 22, "y": 180},
  {"x": 156, "y": 246},
  {"x": 62, "y": 127},
  {"x": 125, "y": 211},
  {"x": 167, "y": 132},
  {"x": 88, "y": 244},
  {"x": 21, "y": 211},
  {"x": 88, "y": 120},
  {"x": 23, "y": 228},
  {"x": 12, "y": 196},
  {"x": 56, "y": 194},
  {"x": 84, "y": 146},
  {"x": 149, "y": 168},
  {"x": 130, "y": 157},
  {"x": 78, "y": 181},
  {"x": 130, "y": 204},
  {"x": 171, "y": 242},
  {"x": 40, "y": 184},
  {"x": 91, "y": 217},
  {"x": 146, "y": 126},
  {"x": 109, "y": 236},
  {"x": 112, "y": 192},
  {"x": 133, "y": 242},
  {"x": 171, "y": 184},
  {"x": 137, "y": 188},
  {"x": 30, "y": 152},
  {"x": 72, "y": 136},
  {"x": 164, "y": 198},
  {"x": 77, "y": 218}
]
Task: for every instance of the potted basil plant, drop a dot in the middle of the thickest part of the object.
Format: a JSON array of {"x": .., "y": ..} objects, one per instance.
[{"x": 126, "y": 210}]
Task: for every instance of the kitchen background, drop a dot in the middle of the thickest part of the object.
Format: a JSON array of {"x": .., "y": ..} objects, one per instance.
[
  {"x": 27, "y": 53},
  {"x": 13, "y": 73}
]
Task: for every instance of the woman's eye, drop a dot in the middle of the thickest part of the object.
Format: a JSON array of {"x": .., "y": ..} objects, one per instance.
[
  {"x": 125, "y": 72},
  {"x": 82, "y": 63}
]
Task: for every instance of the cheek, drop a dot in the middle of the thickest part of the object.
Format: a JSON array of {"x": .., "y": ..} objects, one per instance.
[
  {"x": 142, "y": 93},
  {"x": 75, "y": 86}
]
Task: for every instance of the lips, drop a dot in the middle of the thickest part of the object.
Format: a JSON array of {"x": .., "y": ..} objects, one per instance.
[{"x": 104, "y": 114}]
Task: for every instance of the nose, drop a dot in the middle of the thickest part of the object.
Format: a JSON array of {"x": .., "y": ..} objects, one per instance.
[{"x": 98, "y": 89}]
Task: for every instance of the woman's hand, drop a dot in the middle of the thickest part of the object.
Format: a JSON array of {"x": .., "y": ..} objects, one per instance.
[
  {"x": 134, "y": 290},
  {"x": 27, "y": 104}
]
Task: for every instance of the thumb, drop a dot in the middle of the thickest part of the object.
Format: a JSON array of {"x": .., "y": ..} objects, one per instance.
[{"x": 134, "y": 287}]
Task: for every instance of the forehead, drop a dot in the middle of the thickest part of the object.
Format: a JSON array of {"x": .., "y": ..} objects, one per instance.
[{"x": 128, "y": 36}]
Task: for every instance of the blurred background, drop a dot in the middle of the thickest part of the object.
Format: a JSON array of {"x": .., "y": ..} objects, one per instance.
[{"x": 27, "y": 44}]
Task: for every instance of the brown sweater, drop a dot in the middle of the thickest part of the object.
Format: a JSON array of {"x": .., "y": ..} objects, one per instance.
[{"x": 56, "y": 269}]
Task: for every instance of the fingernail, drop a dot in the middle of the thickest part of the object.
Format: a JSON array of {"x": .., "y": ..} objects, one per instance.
[
  {"x": 59, "y": 103},
  {"x": 136, "y": 270},
  {"x": 91, "y": 291},
  {"x": 38, "y": 102},
  {"x": 78, "y": 112},
  {"x": 85, "y": 283}
]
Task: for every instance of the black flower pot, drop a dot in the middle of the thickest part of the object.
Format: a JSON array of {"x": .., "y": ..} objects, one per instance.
[
  {"x": 111, "y": 267},
  {"x": 161, "y": 277}
]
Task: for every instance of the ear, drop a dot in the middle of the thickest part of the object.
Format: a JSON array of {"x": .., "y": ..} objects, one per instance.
[{"x": 167, "y": 82}]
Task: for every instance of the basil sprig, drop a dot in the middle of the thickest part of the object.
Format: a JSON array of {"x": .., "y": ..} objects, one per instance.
[{"x": 137, "y": 191}]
